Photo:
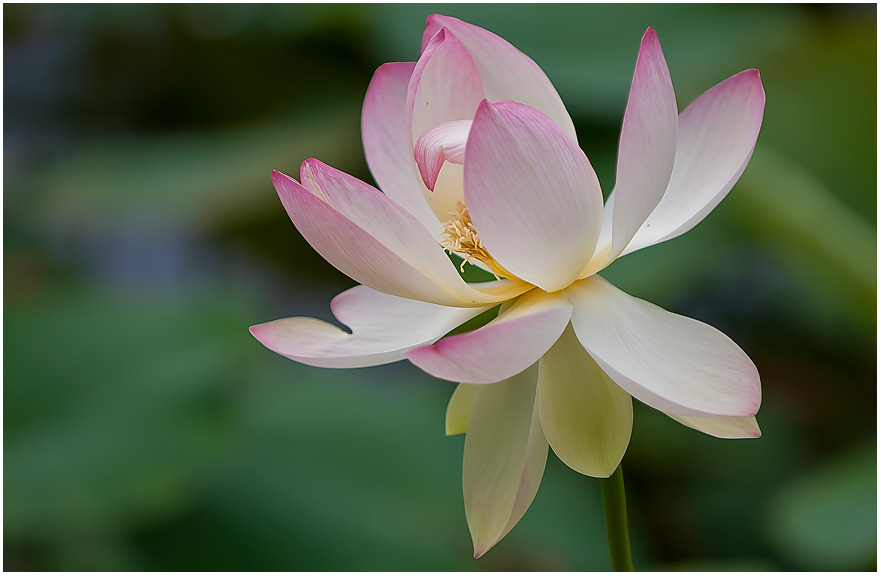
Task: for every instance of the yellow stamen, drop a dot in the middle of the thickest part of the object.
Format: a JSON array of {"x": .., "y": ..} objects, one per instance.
[{"x": 459, "y": 236}]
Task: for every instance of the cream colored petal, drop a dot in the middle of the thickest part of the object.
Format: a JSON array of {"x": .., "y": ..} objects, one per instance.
[
  {"x": 505, "y": 457},
  {"x": 460, "y": 407},
  {"x": 586, "y": 417}
]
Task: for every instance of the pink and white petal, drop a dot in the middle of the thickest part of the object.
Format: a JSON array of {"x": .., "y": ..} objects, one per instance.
[
  {"x": 505, "y": 457},
  {"x": 507, "y": 73},
  {"x": 445, "y": 85},
  {"x": 443, "y": 143},
  {"x": 586, "y": 418},
  {"x": 387, "y": 144},
  {"x": 516, "y": 339},
  {"x": 647, "y": 147},
  {"x": 717, "y": 135},
  {"x": 532, "y": 194},
  {"x": 722, "y": 426},
  {"x": 386, "y": 223},
  {"x": 383, "y": 328},
  {"x": 673, "y": 363},
  {"x": 460, "y": 407}
]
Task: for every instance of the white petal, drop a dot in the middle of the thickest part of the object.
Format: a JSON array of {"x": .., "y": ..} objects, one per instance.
[
  {"x": 647, "y": 147},
  {"x": 460, "y": 407},
  {"x": 723, "y": 426},
  {"x": 505, "y": 457},
  {"x": 507, "y": 73},
  {"x": 717, "y": 134},
  {"x": 670, "y": 362},
  {"x": 504, "y": 347},
  {"x": 372, "y": 239},
  {"x": 387, "y": 144},
  {"x": 532, "y": 194},
  {"x": 586, "y": 417},
  {"x": 382, "y": 327}
]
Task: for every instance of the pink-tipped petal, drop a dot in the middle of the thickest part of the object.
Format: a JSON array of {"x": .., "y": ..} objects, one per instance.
[
  {"x": 673, "y": 363},
  {"x": 387, "y": 144},
  {"x": 717, "y": 135},
  {"x": 647, "y": 147},
  {"x": 443, "y": 143},
  {"x": 507, "y": 73},
  {"x": 383, "y": 328},
  {"x": 723, "y": 426},
  {"x": 371, "y": 239},
  {"x": 505, "y": 457},
  {"x": 586, "y": 417},
  {"x": 532, "y": 194},
  {"x": 445, "y": 85},
  {"x": 502, "y": 348}
]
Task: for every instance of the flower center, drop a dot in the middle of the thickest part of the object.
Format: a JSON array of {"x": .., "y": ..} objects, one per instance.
[{"x": 460, "y": 236}]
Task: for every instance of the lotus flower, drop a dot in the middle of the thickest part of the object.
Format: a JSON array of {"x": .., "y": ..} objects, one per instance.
[{"x": 476, "y": 155}]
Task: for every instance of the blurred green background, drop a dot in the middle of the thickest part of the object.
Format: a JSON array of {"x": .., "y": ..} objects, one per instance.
[{"x": 144, "y": 429}]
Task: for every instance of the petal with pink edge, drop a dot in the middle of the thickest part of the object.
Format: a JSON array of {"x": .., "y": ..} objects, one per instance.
[
  {"x": 460, "y": 407},
  {"x": 723, "y": 426},
  {"x": 382, "y": 327},
  {"x": 516, "y": 339},
  {"x": 386, "y": 223},
  {"x": 507, "y": 73},
  {"x": 505, "y": 457},
  {"x": 532, "y": 194},
  {"x": 647, "y": 147},
  {"x": 670, "y": 362},
  {"x": 443, "y": 143},
  {"x": 586, "y": 417},
  {"x": 717, "y": 135},
  {"x": 387, "y": 144}
]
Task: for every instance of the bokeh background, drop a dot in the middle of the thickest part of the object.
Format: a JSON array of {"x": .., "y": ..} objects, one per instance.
[{"x": 144, "y": 429}]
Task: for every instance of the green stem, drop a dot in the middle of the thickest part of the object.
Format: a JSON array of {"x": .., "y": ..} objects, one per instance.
[{"x": 616, "y": 522}]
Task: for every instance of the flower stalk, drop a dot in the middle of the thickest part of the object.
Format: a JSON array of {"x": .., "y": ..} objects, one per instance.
[{"x": 615, "y": 505}]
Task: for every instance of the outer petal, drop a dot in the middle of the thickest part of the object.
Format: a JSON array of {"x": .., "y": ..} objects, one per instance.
[
  {"x": 723, "y": 426},
  {"x": 460, "y": 407},
  {"x": 532, "y": 194},
  {"x": 717, "y": 134},
  {"x": 505, "y": 457},
  {"x": 516, "y": 339},
  {"x": 670, "y": 362},
  {"x": 387, "y": 144},
  {"x": 647, "y": 147},
  {"x": 586, "y": 417},
  {"x": 443, "y": 143},
  {"x": 382, "y": 327},
  {"x": 370, "y": 238},
  {"x": 507, "y": 73}
]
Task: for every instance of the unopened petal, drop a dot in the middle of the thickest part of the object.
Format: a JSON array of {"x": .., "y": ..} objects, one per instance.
[
  {"x": 647, "y": 147},
  {"x": 443, "y": 143},
  {"x": 387, "y": 144},
  {"x": 516, "y": 339},
  {"x": 460, "y": 407},
  {"x": 505, "y": 457},
  {"x": 717, "y": 135},
  {"x": 532, "y": 194},
  {"x": 382, "y": 327},
  {"x": 507, "y": 73},
  {"x": 673, "y": 363},
  {"x": 586, "y": 417},
  {"x": 722, "y": 426}
]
